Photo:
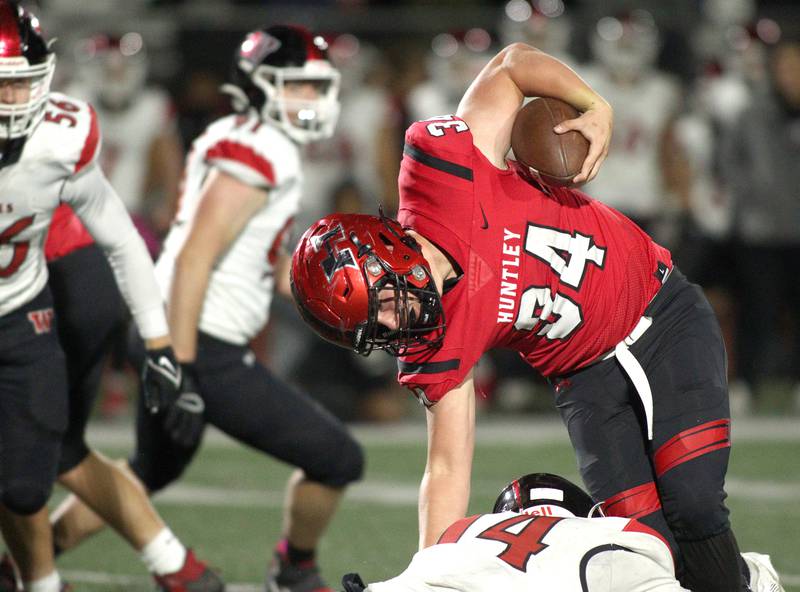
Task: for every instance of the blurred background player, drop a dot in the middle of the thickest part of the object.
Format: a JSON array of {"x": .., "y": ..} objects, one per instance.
[
  {"x": 49, "y": 146},
  {"x": 544, "y": 24},
  {"x": 452, "y": 63},
  {"x": 221, "y": 263},
  {"x": 730, "y": 44},
  {"x": 546, "y": 533},
  {"x": 141, "y": 156},
  {"x": 759, "y": 160},
  {"x": 636, "y": 175}
]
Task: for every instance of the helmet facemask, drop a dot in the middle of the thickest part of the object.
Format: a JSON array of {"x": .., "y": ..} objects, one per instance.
[
  {"x": 303, "y": 119},
  {"x": 417, "y": 305},
  {"x": 30, "y": 89}
]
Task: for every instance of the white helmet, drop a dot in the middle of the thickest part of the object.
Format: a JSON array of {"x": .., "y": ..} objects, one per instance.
[
  {"x": 269, "y": 59},
  {"x": 543, "y": 24},
  {"x": 114, "y": 66},
  {"x": 626, "y": 45}
]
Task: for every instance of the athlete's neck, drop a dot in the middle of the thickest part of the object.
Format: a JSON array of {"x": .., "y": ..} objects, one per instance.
[{"x": 441, "y": 267}]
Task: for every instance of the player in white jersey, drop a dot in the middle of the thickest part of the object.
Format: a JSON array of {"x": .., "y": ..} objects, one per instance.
[
  {"x": 541, "y": 536},
  {"x": 635, "y": 175},
  {"x": 141, "y": 153},
  {"x": 218, "y": 271},
  {"x": 452, "y": 64},
  {"x": 48, "y": 149}
]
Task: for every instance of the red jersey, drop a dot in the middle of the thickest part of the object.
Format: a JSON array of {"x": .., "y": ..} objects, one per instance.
[
  {"x": 559, "y": 277},
  {"x": 66, "y": 234}
]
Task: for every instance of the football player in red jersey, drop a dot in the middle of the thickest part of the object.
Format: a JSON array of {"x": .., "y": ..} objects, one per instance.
[{"x": 482, "y": 257}]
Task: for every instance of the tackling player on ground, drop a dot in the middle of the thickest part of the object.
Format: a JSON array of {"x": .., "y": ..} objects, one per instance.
[
  {"x": 482, "y": 257},
  {"x": 221, "y": 262},
  {"x": 48, "y": 150},
  {"x": 545, "y": 533}
]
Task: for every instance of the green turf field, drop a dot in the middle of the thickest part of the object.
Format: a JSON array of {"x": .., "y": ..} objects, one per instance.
[{"x": 228, "y": 504}]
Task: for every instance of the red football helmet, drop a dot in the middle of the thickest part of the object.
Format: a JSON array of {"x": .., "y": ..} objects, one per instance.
[
  {"x": 340, "y": 266},
  {"x": 26, "y": 69}
]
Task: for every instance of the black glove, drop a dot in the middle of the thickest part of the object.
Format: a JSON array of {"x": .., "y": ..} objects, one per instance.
[
  {"x": 352, "y": 582},
  {"x": 161, "y": 379},
  {"x": 184, "y": 419}
]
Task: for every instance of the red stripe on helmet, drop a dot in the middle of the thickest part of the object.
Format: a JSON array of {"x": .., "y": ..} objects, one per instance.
[
  {"x": 91, "y": 143},
  {"x": 691, "y": 443},
  {"x": 634, "y": 502},
  {"x": 517, "y": 493},
  {"x": 10, "y": 46},
  {"x": 313, "y": 51},
  {"x": 228, "y": 150}
]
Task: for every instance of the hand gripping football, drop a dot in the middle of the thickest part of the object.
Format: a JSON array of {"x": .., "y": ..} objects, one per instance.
[{"x": 554, "y": 158}]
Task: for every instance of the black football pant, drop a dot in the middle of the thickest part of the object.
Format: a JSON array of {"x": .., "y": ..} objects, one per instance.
[
  {"x": 674, "y": 483},
  {"x": 90, "y": 311},
  {"x": 247, "y": 402},
  {"x": 33, "y": 404}
]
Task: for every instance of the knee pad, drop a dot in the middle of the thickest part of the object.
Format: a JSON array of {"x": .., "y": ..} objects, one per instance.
[
  {"x": 347, "y": 465},
  {"x": 154, "y": 475},
  {"x": 73, "y": 453},
  {"x": 25, "y": 498}
]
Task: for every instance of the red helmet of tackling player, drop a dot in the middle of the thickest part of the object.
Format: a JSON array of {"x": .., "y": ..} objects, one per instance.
[
  {"x": 544, "y": 494},
  {"x": 26, "y": 69},
  {"x": 347, "y": 268}
]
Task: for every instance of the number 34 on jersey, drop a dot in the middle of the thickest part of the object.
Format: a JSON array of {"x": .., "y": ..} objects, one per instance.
[{"x": 554, "y": 316}]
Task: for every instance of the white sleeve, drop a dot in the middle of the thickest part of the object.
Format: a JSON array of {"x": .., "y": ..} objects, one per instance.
[{"x": 104, "y": 215}]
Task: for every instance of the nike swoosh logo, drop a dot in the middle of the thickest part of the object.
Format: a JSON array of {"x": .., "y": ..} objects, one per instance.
[
  {"x": 165, "y": 362},
  {"x": 485, "y": 224}
]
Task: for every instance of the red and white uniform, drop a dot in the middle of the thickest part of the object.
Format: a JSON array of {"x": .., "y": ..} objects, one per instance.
[
  {"x": 242, "y": 281},
  {"x": 519, "y": 552},
  {"x": 58, "y": 166},
  {"x": 630, "y": 179},
  {"x": 559, "y": 278}
]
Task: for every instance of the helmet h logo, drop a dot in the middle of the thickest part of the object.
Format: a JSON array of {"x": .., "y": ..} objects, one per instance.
[{"x": 336, "y": 259}]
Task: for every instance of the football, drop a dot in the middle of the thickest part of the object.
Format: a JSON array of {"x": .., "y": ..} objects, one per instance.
[{"x": 554, "y": 158}]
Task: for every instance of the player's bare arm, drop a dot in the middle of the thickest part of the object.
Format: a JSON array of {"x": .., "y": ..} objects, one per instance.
[
  {"x": 283, "y": 283},
  {"x": 164, "y": 174},
  {"x": 445, "y": 488},
  {"x": 491, "y": 102},
  {"x": 226, "y": 206}
]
